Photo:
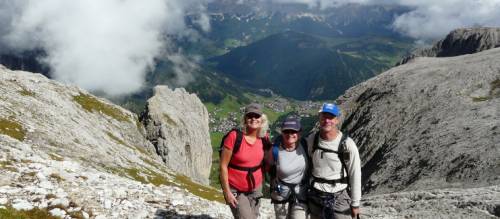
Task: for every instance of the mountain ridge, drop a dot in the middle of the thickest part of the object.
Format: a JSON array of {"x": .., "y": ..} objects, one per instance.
[
  {"x": 459, "y": 42},
  {"x": 312, "y": 67}
]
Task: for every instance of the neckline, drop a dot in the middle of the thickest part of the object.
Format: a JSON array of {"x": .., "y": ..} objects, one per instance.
[{"x": 248, "y": 143}]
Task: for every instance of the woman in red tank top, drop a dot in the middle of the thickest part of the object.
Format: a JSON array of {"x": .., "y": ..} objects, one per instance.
[{"x": 241, "y": 172}]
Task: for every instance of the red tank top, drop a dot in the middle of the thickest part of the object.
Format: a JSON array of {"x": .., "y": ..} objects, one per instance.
[{"x": 249, "y": 155}]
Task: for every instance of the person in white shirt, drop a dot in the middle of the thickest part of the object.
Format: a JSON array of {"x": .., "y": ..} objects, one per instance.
[{"x": 335, "y": 182}]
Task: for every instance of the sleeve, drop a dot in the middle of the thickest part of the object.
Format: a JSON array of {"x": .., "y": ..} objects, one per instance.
[
  {"x": 229, "y": 141},
  {"x": 354, "y": 168}
]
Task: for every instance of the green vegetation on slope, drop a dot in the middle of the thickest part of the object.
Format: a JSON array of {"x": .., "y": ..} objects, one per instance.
[
  {"x": 92, "y": 104},
  {"x": 12, "y": 128},
  {"x": 35, "y": 213},
  {"x": 146, "y": 175},
  {"x": 215, "y": 138}
]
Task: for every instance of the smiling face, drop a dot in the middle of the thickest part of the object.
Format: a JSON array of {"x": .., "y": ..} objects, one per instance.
[
  {"x": 253, "y": 121},
  {"x": 328, "y": 122},
  {"x": 290, "y": 137}
]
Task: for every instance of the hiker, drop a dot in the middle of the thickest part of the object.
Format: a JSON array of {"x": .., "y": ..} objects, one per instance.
[
  {"x": 288, "y": 161},
  {"x": 335, "y": 186},
  {"x": 241, "y": 159}
]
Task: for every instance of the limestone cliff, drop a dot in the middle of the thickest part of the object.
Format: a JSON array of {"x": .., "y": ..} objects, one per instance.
[
  {"x": 431, "y": 123},
  {"x": 177, "y": 124},
  {"x": 459, "y": 42}
]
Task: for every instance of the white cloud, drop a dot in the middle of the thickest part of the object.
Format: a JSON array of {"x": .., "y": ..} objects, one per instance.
[
  {"x": 434, "y": 19},
  {"x": 104, "y": 45},
  {"x": 429, "y": 19}
]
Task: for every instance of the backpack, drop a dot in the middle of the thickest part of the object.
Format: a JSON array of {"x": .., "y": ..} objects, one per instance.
[
  {"x": 343, "y": 154},
  {"x": 236, "y": 147}
]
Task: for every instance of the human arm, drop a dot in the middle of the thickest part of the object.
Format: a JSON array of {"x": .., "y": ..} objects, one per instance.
[
  {"x": 225, "y": 157},
  {"x": 354, "y": 169}
]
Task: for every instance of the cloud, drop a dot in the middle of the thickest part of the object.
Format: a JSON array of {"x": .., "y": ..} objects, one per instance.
[
  {"x": 434, "y": 19},
  {"x": 429, "y": 19},
  {"x": 99, "y": 45}
]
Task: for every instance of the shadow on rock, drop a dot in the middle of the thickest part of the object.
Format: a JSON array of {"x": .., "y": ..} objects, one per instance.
[{"x": 163, "y": 214}]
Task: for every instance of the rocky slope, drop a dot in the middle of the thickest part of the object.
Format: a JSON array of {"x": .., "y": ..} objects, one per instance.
[
  {"x": 460, "y": 42},
  {"x": 73, "y": 154},
  {"x": 431, "y": 123},
  {"x": 437, "y": 203},
  {"x": 177, "y": 124}
]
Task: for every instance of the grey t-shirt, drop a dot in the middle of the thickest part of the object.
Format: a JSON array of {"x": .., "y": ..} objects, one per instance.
[
  {"x": 291, "y": 168},
  {"x": 292, "y": 165}
]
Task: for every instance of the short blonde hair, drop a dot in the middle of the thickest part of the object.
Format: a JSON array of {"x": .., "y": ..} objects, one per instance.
[{"x": 264, "y": 126}]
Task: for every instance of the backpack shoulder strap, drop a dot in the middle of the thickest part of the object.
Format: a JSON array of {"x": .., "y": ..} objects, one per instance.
[
  {"x": 308, "y": 173},
  {"x": 315, "y": 145},
  {"x": 266, "y": 143},
  {"x": 342, "y": 144},
  {"x": 344, "y": 153},
  {"x": 237, "y": 142},
  {"x": 276, "y": 151},
  {"x": 303, "y": 142}
]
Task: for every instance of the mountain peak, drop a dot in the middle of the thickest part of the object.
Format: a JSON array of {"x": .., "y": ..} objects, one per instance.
[{"x": 460, "y": 42}]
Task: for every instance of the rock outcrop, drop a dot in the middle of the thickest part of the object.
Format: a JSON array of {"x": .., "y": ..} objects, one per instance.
[
  {"x": 460, "y": 42},
  {"x": 431, "y": 123},
  {"x": 68, "y": 152},
  {"x": 177, "y": 125}
]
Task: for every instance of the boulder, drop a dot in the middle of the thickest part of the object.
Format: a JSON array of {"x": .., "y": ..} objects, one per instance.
[{"x": 177, "y": 125}]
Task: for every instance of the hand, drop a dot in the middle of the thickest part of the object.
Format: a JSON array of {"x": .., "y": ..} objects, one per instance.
[
  {"x": 354, "y": 212},
  {"x": 230, "y": 199}
]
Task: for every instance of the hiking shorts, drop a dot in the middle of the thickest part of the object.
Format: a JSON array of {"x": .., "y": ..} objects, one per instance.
[
  {"x": 341, "y": 206},
  {"x": 248, "y": 204}
]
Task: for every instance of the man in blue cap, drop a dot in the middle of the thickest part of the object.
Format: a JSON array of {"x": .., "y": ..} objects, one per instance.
[{"x": 336, "y": 169}]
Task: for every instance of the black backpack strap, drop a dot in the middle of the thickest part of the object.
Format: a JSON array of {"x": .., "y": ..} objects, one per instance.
[
  {"x": 237, "y": 142},
  {"x": 266, "y": 143},
  {"x": 344, "y": 154},
  {"x": 308, "y": 173},
  {"x": 249, "y": 170},
  {"x": 315, "y": 142}
]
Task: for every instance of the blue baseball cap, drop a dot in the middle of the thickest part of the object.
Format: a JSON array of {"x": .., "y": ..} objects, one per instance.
[{"x": 330, "y": 108}]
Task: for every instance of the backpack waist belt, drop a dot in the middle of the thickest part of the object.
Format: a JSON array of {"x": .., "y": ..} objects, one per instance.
[
  {"x": 293, "y": 196},
  {"x": 249, "y": 170},
  {"x": 332, "y": 182}
]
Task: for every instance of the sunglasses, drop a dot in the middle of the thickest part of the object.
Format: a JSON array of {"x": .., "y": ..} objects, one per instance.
[
  {"x": 252, "y": 116},
  {"x": 289, "y": 132}
]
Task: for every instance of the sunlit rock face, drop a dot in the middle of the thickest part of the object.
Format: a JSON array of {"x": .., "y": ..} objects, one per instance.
[
  {"x": 177, "y": 124},
  {"x": 431, "y": 123},
  {"x": 428, "y": 133}
]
